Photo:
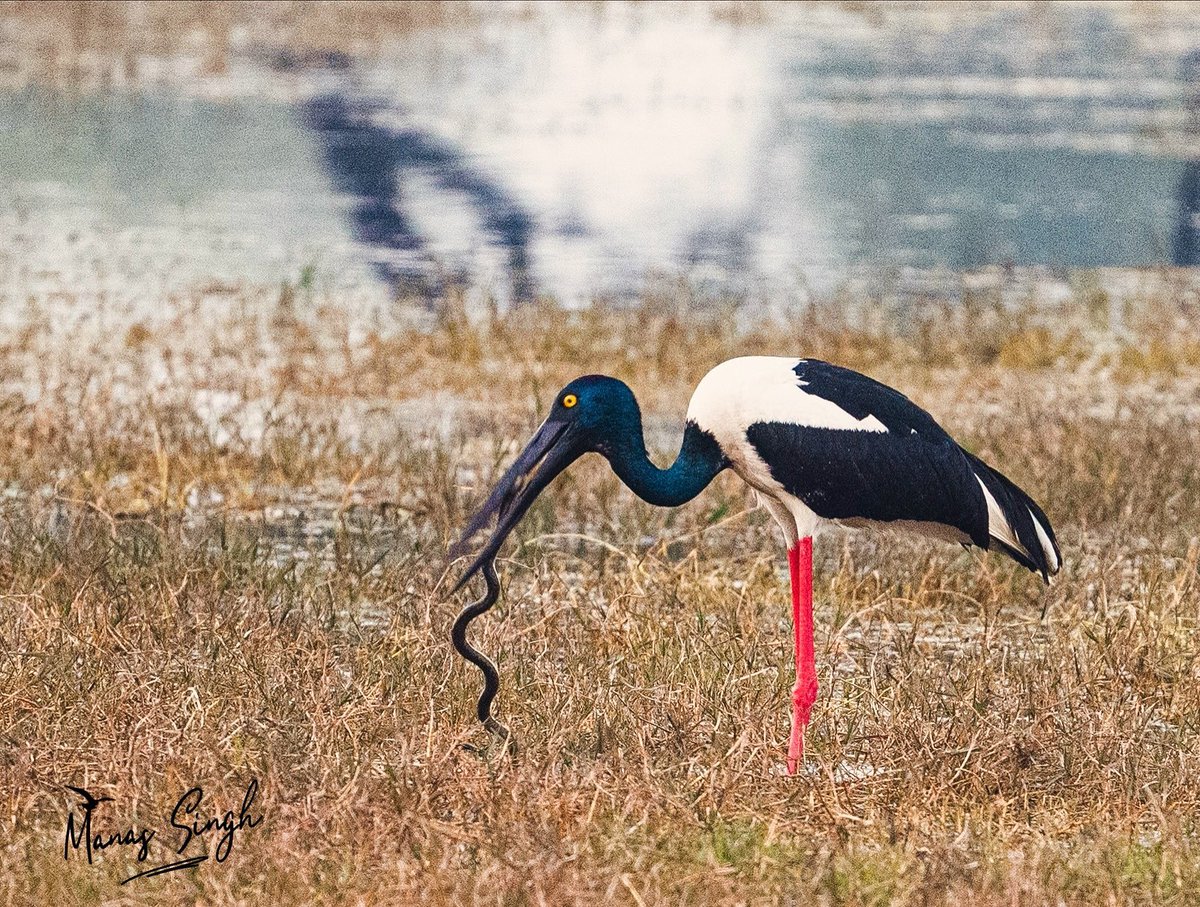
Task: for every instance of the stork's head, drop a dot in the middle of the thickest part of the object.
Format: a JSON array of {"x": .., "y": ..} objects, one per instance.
[{"x": 592, "y": 413}]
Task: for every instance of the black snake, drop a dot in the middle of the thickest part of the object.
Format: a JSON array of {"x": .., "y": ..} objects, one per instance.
[{"x": 491, "y": 677}]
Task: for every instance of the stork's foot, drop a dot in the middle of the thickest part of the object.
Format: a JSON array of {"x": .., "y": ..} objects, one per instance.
[{"x": 803, "y": 696}]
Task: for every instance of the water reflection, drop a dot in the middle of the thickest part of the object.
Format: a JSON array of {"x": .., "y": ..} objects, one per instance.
[
  {"x": 375, "y": 165},
  {"x": 1187, "y": 230},
  {"x": 1017, "y": 139},
  {"x": 583, "y": 154}
]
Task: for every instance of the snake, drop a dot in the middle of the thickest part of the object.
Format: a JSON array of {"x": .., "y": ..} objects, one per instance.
[{"x": 491, "y": 676}]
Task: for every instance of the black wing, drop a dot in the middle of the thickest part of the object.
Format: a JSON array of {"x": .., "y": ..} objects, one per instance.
[{"x": 912, "y": 471}]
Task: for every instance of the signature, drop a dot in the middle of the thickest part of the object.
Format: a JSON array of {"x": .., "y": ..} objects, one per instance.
[{"x": 93, "y": 833}]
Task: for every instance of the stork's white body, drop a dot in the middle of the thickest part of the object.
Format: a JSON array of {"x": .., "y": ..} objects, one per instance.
[
  {"x": 739, "y": 392},
  {"x": 758, "y": 390}
]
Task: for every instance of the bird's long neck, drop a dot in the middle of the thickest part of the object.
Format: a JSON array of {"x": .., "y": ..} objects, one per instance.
[{"x": 700, "y": 459}]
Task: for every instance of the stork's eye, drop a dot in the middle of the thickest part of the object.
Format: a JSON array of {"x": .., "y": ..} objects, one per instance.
[{"x": 569, "y": 400}]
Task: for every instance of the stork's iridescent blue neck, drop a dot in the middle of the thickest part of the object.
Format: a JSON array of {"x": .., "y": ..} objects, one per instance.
[{"x": 700, "y": 459}]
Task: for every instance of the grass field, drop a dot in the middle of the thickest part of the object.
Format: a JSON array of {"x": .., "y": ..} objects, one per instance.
[{"x": 222, "y": 556}]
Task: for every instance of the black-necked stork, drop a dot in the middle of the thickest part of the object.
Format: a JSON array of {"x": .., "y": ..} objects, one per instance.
[{"x": 817, "y": 442}]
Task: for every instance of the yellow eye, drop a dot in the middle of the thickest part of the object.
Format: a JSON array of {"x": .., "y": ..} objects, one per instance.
[{"x": 569, "y": 400}]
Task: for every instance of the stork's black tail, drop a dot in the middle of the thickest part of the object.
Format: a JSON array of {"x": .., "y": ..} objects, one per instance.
[{"x": 1016, "y": 523}]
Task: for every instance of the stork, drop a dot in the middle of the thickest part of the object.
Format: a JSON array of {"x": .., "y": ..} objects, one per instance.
[{"x": 819, "y": 443}]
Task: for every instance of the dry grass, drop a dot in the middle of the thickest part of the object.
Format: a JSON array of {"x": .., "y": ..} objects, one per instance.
[{"x": 194, "y": 593}]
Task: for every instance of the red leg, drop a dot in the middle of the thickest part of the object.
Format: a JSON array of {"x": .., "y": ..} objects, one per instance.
[{"x": 804, "y": 694}]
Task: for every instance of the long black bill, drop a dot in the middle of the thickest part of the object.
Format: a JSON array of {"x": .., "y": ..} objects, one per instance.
[{"x": 553, "y": 446}]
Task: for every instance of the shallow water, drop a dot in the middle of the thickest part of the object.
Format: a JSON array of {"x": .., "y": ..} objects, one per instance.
[{"x": 581, "y": 154}]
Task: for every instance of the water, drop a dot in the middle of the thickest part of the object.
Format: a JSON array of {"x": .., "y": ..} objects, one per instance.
[
  {"x": 191, "y": 189},
  {"x": 577, "y": 154}
]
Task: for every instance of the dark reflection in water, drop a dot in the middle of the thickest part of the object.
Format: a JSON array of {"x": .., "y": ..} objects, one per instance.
[
  {"x": 371, "y": 163},
  {"x": 1187, "y": 230},
  {"x": 581, "y": 160}
]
